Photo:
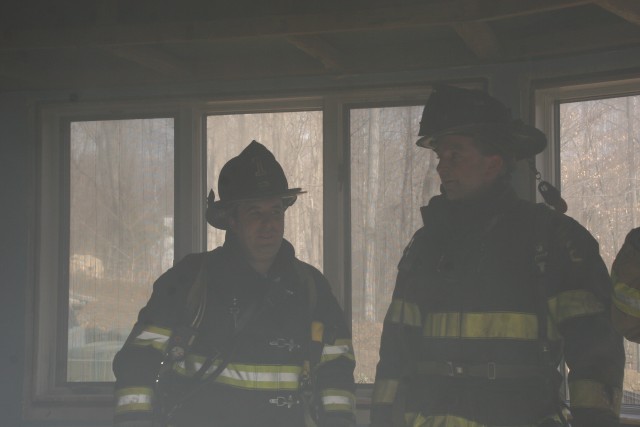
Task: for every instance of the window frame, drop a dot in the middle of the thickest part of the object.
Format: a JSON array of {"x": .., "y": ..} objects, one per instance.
[
  {"x": 547, "y": 100},
  {"x": 46, "y": 395}
]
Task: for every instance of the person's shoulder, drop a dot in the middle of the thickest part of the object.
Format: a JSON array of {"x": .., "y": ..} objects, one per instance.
[
  {"x": 186, "y": 269},
  {"x": 310, "y": 271},
  {"x": 193, "y": 261},
  {"x": 633, "y": 238}
]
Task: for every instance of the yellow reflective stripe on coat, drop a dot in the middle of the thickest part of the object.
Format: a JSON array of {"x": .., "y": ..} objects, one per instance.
[
  {"x": 153, "y": 336},
  {"x": 627, "y": 299},
  {"x": 576, "y": 303},
  {"x": 403, "y": 312},
  {"x": 595, "y": 395},
  {"x": 384, "y": 391},
  {"x": 419, "y": 420},
  {"x": 261, "y": 377},
  {"x": 340, "y": 348},
  {"x": 337, "y": 400},
  {"x": 499, "y": 325},
  {"x": 134, "y": 399}
]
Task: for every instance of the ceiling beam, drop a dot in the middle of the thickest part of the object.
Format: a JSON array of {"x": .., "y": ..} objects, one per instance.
[
  {"x": 438, "y": 12},
  {"x": 480, "y": 39},
  {"x": 571, "y": 42},
  {"x": 317, "y": 48},
  {"x": 626, "y": 9}
]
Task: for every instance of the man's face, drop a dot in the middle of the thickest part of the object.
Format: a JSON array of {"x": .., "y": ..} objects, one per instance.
[
  {"x": 259, "y": 226},
  {"x": 464, "y": 171}
]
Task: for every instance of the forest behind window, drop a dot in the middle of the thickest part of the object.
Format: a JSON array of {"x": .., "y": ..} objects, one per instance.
[{"x": 120, "y": 234}]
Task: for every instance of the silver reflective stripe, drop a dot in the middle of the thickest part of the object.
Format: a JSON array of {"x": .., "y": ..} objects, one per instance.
[
  {"x": 335, "y": 349},
  {"x": 134, "y": 399},
  {"x": 262, "y": 377},
  {"x": 336, "y": 400},
  {"x": 152, "y": 336}
]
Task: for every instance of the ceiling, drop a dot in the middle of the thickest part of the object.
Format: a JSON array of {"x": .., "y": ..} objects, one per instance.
[{"x": 80, "y": 44}]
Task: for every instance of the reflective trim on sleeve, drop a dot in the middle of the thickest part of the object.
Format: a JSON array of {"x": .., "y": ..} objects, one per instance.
[
  {"x": 414, "y": 419},
  {"x": 134, "y": 399},
  {"x": 594, "y": 395},
  {"x": 505, "y": 325},
  {"x": 384, "y": 391},
  {"x": 576, "y": 303},
  {"x": 340, "y": 348},
  {"x": 261, "y": 377},
  {"x": 627, "y": 299},
  {"x": 153, "y": 336},
  {"x": 403, "y": 312},
  {"x": 334, "y": 400}
]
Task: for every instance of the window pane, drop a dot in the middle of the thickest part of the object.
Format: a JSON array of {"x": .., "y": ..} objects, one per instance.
[
  {"x": 599, "y": 143},
  {"x": 121, "y": 234},
  {"x": 295, "y": 139},
  {"x": 391, "y": 178}
]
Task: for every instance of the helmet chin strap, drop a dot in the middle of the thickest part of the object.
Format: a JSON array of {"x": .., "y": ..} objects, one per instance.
[{"x": 549, "y": 193}]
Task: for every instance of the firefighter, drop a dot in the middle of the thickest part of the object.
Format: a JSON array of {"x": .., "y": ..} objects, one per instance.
[
  {"x": 246, "y": 334},
  {"x": 625, "y": 273},
  {"x": 493, "y": 291}
]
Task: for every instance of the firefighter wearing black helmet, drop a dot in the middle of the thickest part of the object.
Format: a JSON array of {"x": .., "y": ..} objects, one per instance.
[
  {"x": 494, "y": 291},
  {"x": 246, "y": 334}
]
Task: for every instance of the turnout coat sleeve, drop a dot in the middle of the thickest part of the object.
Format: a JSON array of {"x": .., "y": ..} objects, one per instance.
[
  {"x": 402, "y": 329},
  {"x": 579, "y": 305},
  {"x": 137, "y": 364},
  {"x": 625, "y": 274},
  {"x": 335, "y": 386}
]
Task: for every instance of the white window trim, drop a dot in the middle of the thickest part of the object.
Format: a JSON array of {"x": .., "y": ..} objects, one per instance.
[
  {"x": 45, "y": 397},
  {"x": 547, "y": 101}
]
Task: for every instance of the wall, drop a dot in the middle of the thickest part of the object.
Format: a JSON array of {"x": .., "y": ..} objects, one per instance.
[{"x": 14, "y": 155}]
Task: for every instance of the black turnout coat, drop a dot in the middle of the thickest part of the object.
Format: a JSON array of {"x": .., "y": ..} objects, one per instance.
[{"x": 257, "y": 336}]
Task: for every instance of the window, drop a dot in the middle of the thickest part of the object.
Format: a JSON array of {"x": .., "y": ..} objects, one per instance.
[
  {"x": 121, "y": 193},
  {"x": 595, "y": 160},
  {"x": 120, "y": 234}
]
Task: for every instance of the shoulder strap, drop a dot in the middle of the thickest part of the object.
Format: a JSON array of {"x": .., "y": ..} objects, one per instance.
[
  {"x": 196, "y": 303},
  {"x": 304, "y": 273}
]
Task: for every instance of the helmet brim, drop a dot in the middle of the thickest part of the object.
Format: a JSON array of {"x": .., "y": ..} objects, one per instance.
[
  {"x": 523, "y": 140},
  {"x": 219, "y": 212}
]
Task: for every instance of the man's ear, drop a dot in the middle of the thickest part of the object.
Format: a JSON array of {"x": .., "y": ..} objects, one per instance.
[
  {"x": 495, "y": 165},
  {"x": 232, "y": 220}
]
